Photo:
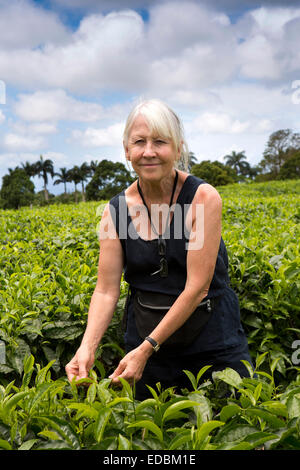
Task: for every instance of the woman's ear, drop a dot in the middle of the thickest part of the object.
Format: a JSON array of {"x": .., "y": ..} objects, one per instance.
[
  {"x": 126, "y": 151},
  {"x": 179, "y": 151}
]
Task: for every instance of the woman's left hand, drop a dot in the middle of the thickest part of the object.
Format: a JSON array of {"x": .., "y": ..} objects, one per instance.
[{"x": 132, "y": 365}]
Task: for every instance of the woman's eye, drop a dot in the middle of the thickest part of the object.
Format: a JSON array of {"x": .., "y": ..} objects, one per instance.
[{"x": 156, "y": 141}]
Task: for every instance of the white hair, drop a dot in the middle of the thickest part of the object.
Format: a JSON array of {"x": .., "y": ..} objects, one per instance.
[{"x": 162, "y": 121}]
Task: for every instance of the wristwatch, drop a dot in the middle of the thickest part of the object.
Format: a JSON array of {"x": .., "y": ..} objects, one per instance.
[{"x": 154, "y": 344}]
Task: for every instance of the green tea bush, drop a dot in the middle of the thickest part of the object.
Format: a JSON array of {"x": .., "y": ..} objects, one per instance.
[
  {"x": 261, "y": 230},
  {"x": 48, "y": 271},
  {"x": 56, "y": 415}
]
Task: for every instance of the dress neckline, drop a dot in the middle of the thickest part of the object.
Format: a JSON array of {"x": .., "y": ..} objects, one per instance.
[{"x": 169, "y": 224}]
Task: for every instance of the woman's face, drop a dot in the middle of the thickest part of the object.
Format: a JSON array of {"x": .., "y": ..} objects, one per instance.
[{"x": 151, "y": 156}]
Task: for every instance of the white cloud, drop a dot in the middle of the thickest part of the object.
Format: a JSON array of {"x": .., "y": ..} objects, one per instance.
[
  {"x": 35, "y": 128},
  {"x": 111, "y": 136},
  {"x": 23, "y": 137},
  {"x": 177, "y": 25},
  {"x": 179, "y": 47},
  {"x": 183, "y": 46},
  {"x": 208, "y": 147},
  {"x": 15, "y": 142},
  {"x": 230, "y": 82},
  {"x": 266, "y": 108},
  {"x": 95, "y": 5},
  {"x": 42, "y": 128},
  {"x": 189, "y": 99},
  {"x": 59, "y": 159},
  {"x": 263, "y": 125},
  {"x": 267, "y": 51},
  {"x": 103, "y": 52},
  {"x": 185, "y": 41},
  {"x": 253, "y": 98},
  {"x": 25, "y": 25},
  {"x": 218, "y": 123},
  {"x": 55, "y": 105},
  {"x": 13, "y": 159},
  {"x": 272, "y": 20},
  {"x": 257, "y": 57}
]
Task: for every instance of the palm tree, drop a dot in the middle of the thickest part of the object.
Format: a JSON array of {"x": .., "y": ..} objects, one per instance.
[
  {"x": 84, "y": 172},
  {"x": 63, "y": 177},
  {"x": 12, "y": 170},
  {"x": 93, "y": 166},
  {"x": 75, "y": 176},
  {"x": 236, "y": 161},
  {"x": 29, "y": 168},
  {"x": 42, "y": 169},
  {"x": 192, "y": 160}
]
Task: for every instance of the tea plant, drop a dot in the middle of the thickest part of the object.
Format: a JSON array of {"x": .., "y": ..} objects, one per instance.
[
  {"x": 48, "y": 271},
  {"x": 54, "y": 414},
  {"x": 261, "y": 230}
]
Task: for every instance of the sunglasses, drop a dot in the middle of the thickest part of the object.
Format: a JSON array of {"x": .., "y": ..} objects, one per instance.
[{"x": 163, "y": 264}]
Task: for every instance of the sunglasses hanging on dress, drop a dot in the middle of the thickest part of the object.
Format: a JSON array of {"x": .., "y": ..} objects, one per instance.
[{"x": 163, "y": 263}]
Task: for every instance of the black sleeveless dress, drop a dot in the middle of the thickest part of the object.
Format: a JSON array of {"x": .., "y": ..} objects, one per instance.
[{"x": 223, "y": 335}]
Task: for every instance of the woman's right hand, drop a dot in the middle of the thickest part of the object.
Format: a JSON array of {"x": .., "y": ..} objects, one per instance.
[{"x": 81, "y": 363}]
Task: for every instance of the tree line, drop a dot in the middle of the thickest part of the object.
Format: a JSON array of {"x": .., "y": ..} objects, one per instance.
[
  {"x": 281, "y": 160},
  {"x": 103, "y": 179}
]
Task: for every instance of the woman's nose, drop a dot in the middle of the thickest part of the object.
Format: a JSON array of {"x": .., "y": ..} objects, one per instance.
[{"x": 149, "y": 149}]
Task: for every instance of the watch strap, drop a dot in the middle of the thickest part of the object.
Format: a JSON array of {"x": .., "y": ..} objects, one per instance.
[{"x": 154, "y": 343}]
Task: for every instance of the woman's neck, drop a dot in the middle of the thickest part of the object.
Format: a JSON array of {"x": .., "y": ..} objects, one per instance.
[{"x": 158, "y": 192}]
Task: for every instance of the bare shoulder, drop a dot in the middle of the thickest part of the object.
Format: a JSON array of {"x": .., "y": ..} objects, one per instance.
[
  {"x": 106, "y": 214},
  {"x": 208, "y": 194},
  {"x": 107, "y": 231}
]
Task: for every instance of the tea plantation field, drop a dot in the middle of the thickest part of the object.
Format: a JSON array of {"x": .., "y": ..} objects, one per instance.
[{"x": 48, "y": 270}]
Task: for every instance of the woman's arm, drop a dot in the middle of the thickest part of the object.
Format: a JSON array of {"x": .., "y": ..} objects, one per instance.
[
  {"x": 103, "y": 301},
  {"x": 201, "y": 260}
]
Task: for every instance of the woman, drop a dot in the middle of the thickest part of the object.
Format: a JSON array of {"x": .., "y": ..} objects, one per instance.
[{"x": 176, "y": 256}]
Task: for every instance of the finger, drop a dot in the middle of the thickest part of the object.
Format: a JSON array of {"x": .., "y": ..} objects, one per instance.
[
  {"x": 130, "y": 376},
  {"x": 83, "y": 372},
  {"x": 71, "y": 371},
  {"x": 117, "y": 372},
  {"x": 128, "y": 373}
]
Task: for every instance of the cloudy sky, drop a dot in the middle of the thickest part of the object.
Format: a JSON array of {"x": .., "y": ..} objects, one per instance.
[{"x": 71, "y": 70}]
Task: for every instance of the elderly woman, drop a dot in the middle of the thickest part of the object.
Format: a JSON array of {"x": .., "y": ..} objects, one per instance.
[{"x": 181, "y": 313}]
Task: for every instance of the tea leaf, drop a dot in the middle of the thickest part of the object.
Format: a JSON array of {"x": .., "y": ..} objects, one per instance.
[
  {"x": 123, "y": 443},
  {"x": 101, "y": 422},
  {"x": 266, "y": 416},
  {"x": 293, "y": 406},
  {"x": 205, "y": 430},
  {"x": 5, "y": 445},
  {"x": 150, "y": 426},
  {"x": 11, "y": 402},
  {"x": 173, "y": 409},
  {"x": 228, "y": 411},
  {"x": 230, "y": 376},
  {"x": 27, "y": 445},
  {"x": 260, "y": 359},
  {"x": 63, "y": 428}
]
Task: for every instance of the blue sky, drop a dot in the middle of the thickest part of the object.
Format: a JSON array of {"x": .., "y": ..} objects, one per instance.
[{"x": 73, "y": 69}]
